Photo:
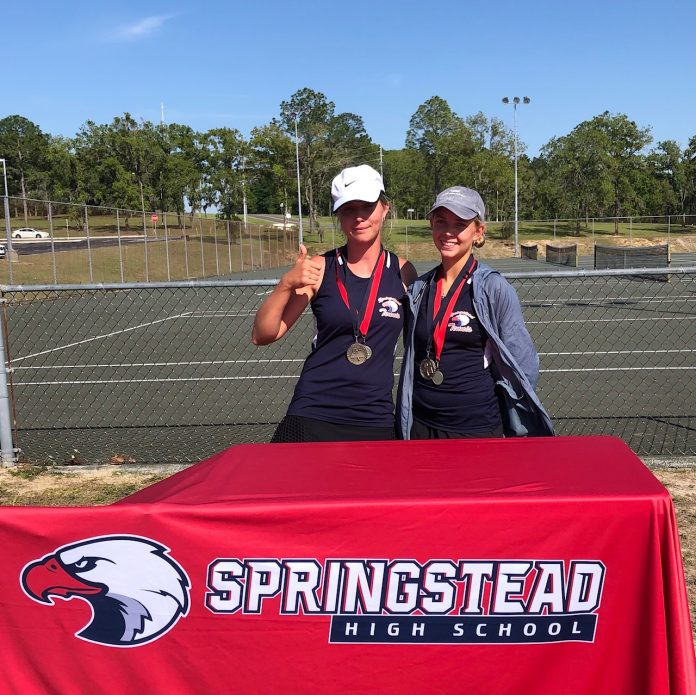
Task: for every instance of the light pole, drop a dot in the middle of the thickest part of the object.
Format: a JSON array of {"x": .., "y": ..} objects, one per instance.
[
  {"x": 142, "y": 207},
  {"x": 515, "y": 101},
  {"x": 299, "y": 190},
  {"x": 8, "y": 229}
]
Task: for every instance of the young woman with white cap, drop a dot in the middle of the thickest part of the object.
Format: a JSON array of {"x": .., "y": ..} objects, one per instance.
[
  {"x": 470, "y": 367},
  {"x": 357, "y": 295}
]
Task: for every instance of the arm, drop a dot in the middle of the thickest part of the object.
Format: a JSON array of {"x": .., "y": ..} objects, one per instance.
[
  {"x": 288, "y": 300},
  {"x": 513, "y": 331}
]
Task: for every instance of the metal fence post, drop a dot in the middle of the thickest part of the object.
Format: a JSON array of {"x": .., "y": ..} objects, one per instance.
[
  {"x": 186, "y": 263},
  {"x": 166, "y": 245},
  {"x": 8, "y": 453},
  {"x": 120, "y": 249},
  {"x": 251, "y": 249},
  {"x": 200, "y": 233},
  {"x": 89, "y": 247},
  {"x": 53, "y": 242},
  {"x": 229, "y": 246},
  {"x": 215, "y": 241}
]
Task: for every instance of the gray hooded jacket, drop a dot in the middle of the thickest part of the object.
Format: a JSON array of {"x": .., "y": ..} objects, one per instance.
[{"x": 514, "y": 360}]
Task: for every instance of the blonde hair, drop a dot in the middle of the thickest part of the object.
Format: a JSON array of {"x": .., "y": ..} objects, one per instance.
[{"x": 478, "y": 243}]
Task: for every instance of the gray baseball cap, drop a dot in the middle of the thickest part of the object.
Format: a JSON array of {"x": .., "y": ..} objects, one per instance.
[{"x": 463, "y": 202}]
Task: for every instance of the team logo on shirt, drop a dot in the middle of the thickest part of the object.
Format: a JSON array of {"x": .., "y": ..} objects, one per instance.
[
  {"x": 389, "y": 307},
  {"x": 459, "y": 322}
]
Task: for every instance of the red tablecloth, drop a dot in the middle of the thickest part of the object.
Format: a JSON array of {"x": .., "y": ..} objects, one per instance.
[{"x": 482, "y": 566}]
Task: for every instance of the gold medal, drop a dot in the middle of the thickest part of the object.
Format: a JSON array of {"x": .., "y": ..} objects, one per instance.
[
  {"x": 358, "y": 353},
  {"x": 428, "y": 367}
]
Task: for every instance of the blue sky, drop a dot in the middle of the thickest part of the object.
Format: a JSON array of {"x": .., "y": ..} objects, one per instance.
[{"x": 231, "y": 63}]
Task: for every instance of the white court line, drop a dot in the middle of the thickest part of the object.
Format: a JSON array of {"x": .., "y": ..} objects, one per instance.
[
  {"x": 616, "y": 352},
  {"x": 99, "y": 337},
  {"x": 157, "y": 364},
  {"x": 151, "y": 381},
  {"x": 219, "y": 314},
  {"x": 594, "y": 301},
  {"x": 188, "y": 315},
  {"x": 649, "y": 318},
  {"x": 621, "y": 369}
]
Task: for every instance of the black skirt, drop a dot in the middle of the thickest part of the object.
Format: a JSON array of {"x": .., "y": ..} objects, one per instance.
[{"x": 295, "y": 428}]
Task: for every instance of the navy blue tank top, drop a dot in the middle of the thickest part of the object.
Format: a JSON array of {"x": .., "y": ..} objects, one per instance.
[
  {"x": 332, "y": 389},
  {"x": 465, "y": 402}
]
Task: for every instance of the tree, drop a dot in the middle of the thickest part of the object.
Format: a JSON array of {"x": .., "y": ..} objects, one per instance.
[
  {"x": 406, "y": 182},
  {"x": 272, "y": 168},
  {"x": 327, "y": 143},
  {"x": 597, "y": 167},
  {"x": 227, "y": 153},
  {"x": 670, "y": 166},
  {"x": 24, "y": 148},
  {"x": 443, "y": 141},
  {"x": 185, "y": 168}
]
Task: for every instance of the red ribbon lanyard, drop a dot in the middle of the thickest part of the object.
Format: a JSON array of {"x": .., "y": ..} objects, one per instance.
[
  {"x": 375, "y": 278},
  {"x": 441, "y": 327}
]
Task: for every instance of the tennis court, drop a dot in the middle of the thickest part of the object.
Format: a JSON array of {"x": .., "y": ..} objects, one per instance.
[{"x": 168, "y": 373}]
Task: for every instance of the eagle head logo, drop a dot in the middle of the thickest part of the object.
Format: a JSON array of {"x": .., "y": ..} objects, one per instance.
[
  {"x": 136, "y": 591},
  {"x": 460, "y": 319}
]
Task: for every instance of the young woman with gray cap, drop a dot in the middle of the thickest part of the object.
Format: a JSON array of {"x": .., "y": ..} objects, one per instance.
[
  {"x": 358, "y": 297},
  {"x": 470, "y": 367}
]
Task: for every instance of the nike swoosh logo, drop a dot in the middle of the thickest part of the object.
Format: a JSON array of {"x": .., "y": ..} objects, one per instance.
[{"x": 349, "y": 183}]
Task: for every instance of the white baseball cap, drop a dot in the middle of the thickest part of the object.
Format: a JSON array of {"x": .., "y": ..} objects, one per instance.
[{"x": 356, "y": 183}]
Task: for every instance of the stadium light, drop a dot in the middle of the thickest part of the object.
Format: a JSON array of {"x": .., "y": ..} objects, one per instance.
[
  {"x": 515, "y": 101},
  {"x": 8, "y": 230},
  {"x": 299, "y": 190}
]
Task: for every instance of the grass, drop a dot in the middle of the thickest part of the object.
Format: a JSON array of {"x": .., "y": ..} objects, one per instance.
[
  {"x": 205, "y": 249},
  {"x": 186, "y": 258}
]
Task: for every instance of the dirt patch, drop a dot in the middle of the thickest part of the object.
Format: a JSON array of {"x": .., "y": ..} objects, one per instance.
[
  {"x": 34, "y": 486},
  {"x": 498, "y": 248}
]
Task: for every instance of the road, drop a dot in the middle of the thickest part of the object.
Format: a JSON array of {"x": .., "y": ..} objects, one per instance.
[{"x": 26, "y": 247}]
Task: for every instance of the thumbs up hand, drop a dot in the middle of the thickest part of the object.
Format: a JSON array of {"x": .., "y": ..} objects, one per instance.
[{"x": 305, "y": 272}]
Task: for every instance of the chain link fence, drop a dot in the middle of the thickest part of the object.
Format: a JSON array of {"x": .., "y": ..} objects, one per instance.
[
  {"x": 93, "y": 244},
  {"x": 166, "y": 372},
  {"x": 61, "y": 243}
]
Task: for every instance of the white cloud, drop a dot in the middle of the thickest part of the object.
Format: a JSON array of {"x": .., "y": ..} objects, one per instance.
[{"x": 142, "y": 28}]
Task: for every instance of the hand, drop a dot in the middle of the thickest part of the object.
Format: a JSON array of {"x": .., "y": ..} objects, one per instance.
[{"x": 305, "y": 272}]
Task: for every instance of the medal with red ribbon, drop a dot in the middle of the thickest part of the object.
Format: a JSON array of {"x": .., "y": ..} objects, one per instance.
[
  {"x": 359, "y": 352},
  {"x": 439, "y": 313}
]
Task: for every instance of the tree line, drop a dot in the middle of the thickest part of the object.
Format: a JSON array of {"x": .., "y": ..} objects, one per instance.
[{"x": 606, "y": 166}]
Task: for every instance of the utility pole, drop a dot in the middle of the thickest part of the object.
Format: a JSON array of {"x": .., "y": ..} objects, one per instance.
[
  {"x": 8, "y": 228},
  {"x": 515, "y": 101},
  {"x": 299, "y": 189},
  {"x": 244, "y": 200}
]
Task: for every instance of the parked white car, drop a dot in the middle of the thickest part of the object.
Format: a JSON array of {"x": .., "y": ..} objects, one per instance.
[{"x": 29, "y": 233}]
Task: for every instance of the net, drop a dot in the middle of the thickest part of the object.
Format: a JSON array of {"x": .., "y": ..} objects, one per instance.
[
  {"x": 530, "y": 251},
  {"x": 656, "y": 256},
  {"x": 562, "y": 255}
]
